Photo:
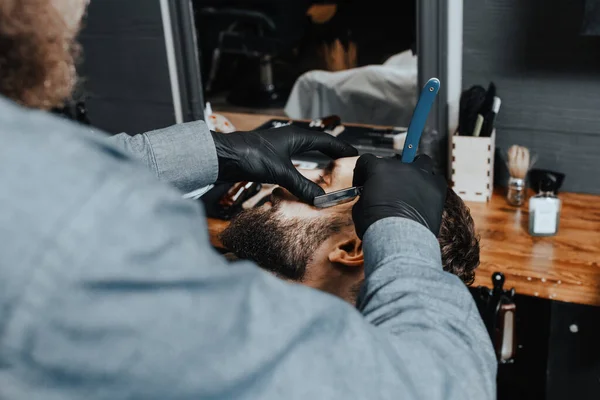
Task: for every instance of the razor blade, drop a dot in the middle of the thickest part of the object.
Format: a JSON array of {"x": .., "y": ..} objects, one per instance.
[{"x": 338, "y": 197}]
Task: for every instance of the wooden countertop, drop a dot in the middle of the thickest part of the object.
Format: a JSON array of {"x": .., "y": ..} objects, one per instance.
[{"x": 565, "y": 267}]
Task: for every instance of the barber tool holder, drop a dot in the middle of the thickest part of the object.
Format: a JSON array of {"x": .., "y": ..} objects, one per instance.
[
  {"x": 498, "y": 310},
  {"x": 472, "y": 166}
]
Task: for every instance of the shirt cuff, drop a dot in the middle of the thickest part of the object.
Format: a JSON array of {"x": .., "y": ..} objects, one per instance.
[{"x": 185, "y": 155}]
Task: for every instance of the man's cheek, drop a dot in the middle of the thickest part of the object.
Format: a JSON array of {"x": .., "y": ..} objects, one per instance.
[{"x": 296, "y": 209}]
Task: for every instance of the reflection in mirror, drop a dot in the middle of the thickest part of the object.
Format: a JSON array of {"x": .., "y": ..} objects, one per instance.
[{"x": 304, "y": 59}]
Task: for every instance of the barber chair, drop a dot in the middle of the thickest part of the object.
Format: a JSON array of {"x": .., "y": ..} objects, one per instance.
[
  {"x": 252, "y": 33},
  {"x": 498, "y": 311}
]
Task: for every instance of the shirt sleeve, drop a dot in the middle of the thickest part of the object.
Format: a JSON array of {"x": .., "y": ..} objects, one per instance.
[
  {"x": 430, "y": 312},
  {"x": 145, "y": 308},
  {"x": 183, "y": 155}
]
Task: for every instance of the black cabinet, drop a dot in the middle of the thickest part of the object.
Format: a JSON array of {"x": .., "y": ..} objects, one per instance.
[
  {"x": 558, "y": 352},
  {"x": 573, "y": 370}
]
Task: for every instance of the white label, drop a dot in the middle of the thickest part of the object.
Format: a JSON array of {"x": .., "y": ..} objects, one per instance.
[{"x": 545, "y": 214}]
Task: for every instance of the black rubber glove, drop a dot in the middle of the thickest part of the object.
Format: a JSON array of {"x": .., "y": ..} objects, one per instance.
[
  {"x": 264, "y": 156},
  {"x": 394, "y": 189}
]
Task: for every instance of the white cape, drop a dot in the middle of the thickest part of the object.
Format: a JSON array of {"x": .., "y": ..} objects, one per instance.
[{"x": 375, "y": 94}]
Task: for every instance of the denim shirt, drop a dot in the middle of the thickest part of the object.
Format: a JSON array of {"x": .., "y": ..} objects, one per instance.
[{"x": 109, "y": 288}]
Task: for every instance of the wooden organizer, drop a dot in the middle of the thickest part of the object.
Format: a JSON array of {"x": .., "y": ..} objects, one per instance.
[{"x": 472, "y": 166}]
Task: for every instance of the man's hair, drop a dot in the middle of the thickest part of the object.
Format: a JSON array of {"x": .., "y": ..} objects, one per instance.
[
  {"x": 285, "y": 247},
  {"x": 458, "y": 240},
  {"x": 37, "y": 54}
]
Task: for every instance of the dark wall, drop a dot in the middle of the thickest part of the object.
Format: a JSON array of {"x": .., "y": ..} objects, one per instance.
[
  {"x": 125, "y": 71},
  {"x": 548, "y": 76}
]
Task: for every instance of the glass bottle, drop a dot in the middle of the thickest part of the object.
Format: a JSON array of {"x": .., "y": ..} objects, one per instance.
[{"x": 544, "y": 210}]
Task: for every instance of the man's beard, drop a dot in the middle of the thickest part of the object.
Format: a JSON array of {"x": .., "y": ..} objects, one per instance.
[{"x": 283, "y": 246}]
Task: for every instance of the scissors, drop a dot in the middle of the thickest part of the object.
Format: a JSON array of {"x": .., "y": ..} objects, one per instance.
[{"x": 413, "y": 136}]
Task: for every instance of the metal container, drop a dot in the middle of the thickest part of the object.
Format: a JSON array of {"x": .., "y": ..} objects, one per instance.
[{"x": 516, "y": 192}]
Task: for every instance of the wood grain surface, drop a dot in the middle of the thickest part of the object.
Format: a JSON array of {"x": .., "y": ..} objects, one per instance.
[{"x": 563, "y": 268}]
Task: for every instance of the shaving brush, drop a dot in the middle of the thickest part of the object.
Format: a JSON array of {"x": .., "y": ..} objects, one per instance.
[{"x": 518, "y": 163}]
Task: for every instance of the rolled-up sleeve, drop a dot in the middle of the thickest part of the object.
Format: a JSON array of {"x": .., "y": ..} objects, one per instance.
[{"x": 183, "y": 154}]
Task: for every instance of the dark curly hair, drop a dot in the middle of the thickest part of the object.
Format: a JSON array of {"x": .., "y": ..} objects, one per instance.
[
  {"x": 37, "y": 54},
  {"x": 458, "y": 240}
]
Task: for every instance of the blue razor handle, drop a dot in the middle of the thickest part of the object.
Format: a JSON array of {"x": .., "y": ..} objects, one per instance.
[{"x": 417, "y": 123}]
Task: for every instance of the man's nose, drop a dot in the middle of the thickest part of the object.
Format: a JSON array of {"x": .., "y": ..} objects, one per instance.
[{"x": 282, "y": 194}]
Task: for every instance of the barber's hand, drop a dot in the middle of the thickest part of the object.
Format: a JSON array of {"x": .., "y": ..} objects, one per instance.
[
  {"x": 394, "y": 189},
  {"x": 264, "y": 156}
]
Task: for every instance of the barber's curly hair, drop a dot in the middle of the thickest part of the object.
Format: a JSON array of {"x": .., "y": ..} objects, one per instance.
[
  {"x": 458, "y": 240},
  {"x": 37, "y": 54}
]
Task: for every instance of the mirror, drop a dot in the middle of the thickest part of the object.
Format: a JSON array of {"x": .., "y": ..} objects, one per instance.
[{"x": 307, "y": 60}]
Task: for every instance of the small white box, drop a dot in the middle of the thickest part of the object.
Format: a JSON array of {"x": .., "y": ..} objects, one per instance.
[{"x": 472, "y": 166}]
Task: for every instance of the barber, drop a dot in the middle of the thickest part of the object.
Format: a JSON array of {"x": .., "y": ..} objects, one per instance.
[{"x": 109, "y": 287}]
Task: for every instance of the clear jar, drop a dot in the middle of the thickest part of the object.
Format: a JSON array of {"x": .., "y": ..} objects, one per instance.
[{"x": 516, "y": 191}]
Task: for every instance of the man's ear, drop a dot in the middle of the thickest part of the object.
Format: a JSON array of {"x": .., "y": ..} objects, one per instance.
[{"x": 348, "y": 252}]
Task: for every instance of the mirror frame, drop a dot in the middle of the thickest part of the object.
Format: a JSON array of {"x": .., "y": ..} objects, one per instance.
[
  {"x": 439, "y": 52},
  {"x": 184, "y": 59}
]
